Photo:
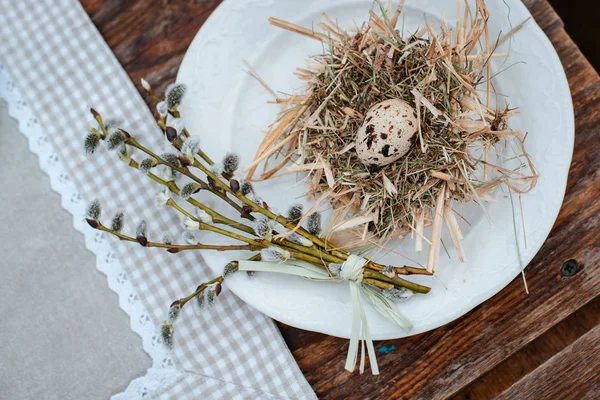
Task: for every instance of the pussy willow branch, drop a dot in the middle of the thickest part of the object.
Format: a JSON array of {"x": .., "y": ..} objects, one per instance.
[
  {"x": 415, "y": 287},
  {"x": 282, "y": 220},
  {"x": 379, "y": 284},
  {"x": 314, "y": 253},
  {"x": 299, "y": 252},
  {"x": 218, "y": 279},
  {"x": 175, "y": 248},
  {"x": 396, "y": 281},
  {"x": 251, "y": 244},
  {"x": 176, "y": 114},
  {"x": 263, "y": 244},
  {"x": 204, "y": 185},
  {"x": 217, "y": 218},
  {"x": 296, "y": 251},
  {"x": 258, "y": 208},
  {"x": 200, "y": 289},
  {"x": 406, "y": 270},
  {"x": 339, "y": 253},
  {"x": 371, "y": 277},
  {"x": 311, "y": 254},
  {"x": 225, "y": 188}
]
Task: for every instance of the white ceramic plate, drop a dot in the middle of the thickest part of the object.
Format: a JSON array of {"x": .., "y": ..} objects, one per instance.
[{"x": 228, "y": 109}]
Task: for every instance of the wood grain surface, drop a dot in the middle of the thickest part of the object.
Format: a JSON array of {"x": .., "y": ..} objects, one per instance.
[
  {"x": 150, "y": 38},
  {"x": 573, "y": 373}
]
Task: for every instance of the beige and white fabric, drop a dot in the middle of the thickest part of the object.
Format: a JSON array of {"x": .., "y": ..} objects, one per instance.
[
  {"x": 45, "y": 352},
  {"x": 62, "y": 66}
]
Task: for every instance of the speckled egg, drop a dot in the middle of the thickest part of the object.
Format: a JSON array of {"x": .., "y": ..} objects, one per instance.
[{"x": 386, "y": 133}]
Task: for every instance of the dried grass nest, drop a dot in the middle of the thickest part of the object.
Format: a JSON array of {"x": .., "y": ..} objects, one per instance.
[{"x": 441, "y": 76}]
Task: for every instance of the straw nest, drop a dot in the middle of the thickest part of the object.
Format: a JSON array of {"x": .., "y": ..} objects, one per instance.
[{"x": 463, "y": 130}]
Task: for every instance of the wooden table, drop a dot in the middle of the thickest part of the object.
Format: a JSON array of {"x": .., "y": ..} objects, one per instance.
[{"x": 543, "y": 345}]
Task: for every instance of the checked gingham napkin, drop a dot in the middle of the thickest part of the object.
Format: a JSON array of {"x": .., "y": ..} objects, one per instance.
[{"x": 63, "y": 67}]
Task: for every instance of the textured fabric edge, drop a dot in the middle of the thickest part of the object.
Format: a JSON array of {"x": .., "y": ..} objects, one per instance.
[{"x": 163, "y": 374}]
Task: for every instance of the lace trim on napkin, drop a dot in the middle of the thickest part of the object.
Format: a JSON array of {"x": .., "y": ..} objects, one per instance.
[{"x": 163, "y": 374}]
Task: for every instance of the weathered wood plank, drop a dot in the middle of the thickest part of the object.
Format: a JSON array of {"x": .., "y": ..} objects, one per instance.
[
  {"x": 571, "y": 374},
  {"x": 438, "y": 364},
  {"x": 150, "y": 38},
  {"x": 536, "y": 353}
]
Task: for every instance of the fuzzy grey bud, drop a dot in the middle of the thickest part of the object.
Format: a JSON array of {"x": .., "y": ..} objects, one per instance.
[
  {"x": 147, "y": 164},
  {"x": 141, "y": 229},
  {"x": 274, "y": 254},
  {"x": 389, "y": 271},
  {"x": 230, "y": 269},
  {"x": 250, "y": 274},
  {"x": 231, "y": 163},
  {"x": 140, "y": 233},
  {"x": 204, "y": 216},
  {"x": 200, "y": 300},
  {"x": 216, "y": 169},
  {"x": 93, "y": 210},
  {"x": 168, "y": 173},
  {"x": 335, "y": 269},
  {"x": 171, "y": 158},
  {"x": 188, "y": 190},
  {"x": 396, "y": 294},
  {"x": 294, "y": 213},
  {"x": 112, "y": 125},
  {"x": 247, "y": 189},
  {"x": 174, "y": 94},
  {"x": 299, "y": 239},
  {"x": 115, "y": 140},
  {"x": 171, "y": 173},
  {"x": 189, "y": 148},
  {"x": 166, "y": 332},
  {"x": 313, "y": 223},
  {"x": 166, "y": 239},
  {"x": 256, "y": 199},
  {"x": 91, "y": 142},
  {"x": 190, "y": 238},
  {"x": 162, "y": 108},
  {"x": 124, "y": 152},
  {"x": 117, "y": 222},
  {"x": 190, "y": 225},
  {"x": 263, "y": 226},
  {"x": 163, "y": 197},
  {"x": 174, "y": 311},
  {"x": 210, "y": 296}
]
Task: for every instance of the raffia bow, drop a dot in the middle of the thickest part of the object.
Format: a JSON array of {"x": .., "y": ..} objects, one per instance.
[{"x": 352, "y": 272}]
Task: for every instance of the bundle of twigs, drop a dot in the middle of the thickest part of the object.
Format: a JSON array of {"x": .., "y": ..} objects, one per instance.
[
  {"x": 441, "y": 75},
  {"x": 257, "y": 228}
]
